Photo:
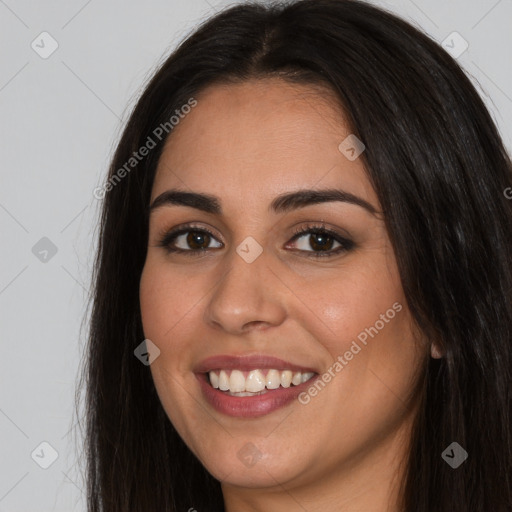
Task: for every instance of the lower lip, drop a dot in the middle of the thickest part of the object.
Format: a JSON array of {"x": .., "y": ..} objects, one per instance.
[{"x": 250, "y": 406}]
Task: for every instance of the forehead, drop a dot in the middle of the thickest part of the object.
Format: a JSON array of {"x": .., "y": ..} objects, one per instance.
[{"x": 250, "y": 141}]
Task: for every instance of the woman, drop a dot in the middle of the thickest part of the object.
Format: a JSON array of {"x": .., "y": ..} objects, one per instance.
[{"x": 302, "y": 291}]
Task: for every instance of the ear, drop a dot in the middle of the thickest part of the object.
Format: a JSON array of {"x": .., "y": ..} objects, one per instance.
[{"x": 435, "y": 351}]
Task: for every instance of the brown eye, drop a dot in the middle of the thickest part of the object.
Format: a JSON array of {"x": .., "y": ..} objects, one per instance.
[
  {"x": 319, "y": 241},
  {"x": 198, "y": 240},
  {"x": 187, "y": 240}
]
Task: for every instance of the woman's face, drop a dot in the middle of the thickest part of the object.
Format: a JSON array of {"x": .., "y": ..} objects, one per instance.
[{"x": 328, "y": 304}]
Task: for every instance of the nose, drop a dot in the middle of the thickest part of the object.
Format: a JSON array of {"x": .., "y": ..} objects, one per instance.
[{"x": 247, "y": 297}]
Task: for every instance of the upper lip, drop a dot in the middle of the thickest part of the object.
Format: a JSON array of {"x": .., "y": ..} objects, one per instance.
[{"x": 248, "y": 363}]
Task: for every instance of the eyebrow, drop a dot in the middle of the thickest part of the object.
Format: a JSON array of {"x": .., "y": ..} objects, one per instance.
[{"x": 281, "y": 204}]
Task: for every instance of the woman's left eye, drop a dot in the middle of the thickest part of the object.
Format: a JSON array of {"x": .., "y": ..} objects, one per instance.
[
  {"x": 195, "y": 241},
  {"x": 322, "y": 241}
]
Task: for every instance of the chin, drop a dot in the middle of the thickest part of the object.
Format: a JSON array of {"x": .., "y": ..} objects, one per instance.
[{"x": 252, "y": 464}]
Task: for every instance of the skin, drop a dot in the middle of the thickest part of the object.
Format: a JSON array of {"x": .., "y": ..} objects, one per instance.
[{"x": 344, "y": 450}]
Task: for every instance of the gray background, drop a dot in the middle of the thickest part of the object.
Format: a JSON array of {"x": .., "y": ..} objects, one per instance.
[{"x": 60, "y": 118}]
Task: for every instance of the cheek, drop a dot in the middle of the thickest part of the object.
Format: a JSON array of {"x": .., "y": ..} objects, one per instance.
[
  {"x": 162, "y": 311},
  {"x": 165, "y": 299},
  {"x": 375, "y": 359},
  {"x": 365, "y": 327},
  {"x": 349, "y": 304},
  {"x": 163, "y": 308}
]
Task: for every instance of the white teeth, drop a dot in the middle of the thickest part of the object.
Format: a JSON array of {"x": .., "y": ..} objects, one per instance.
[
  {"x": 306, "y": 376},
  {"x": 247, "y": 393},
  {"x": 256, "y": 381},
  {"x": 214, "y": 379},
  {"x": 236, "y": 381},
  {"x": 223, "y": 381},
  {"x": 273, "y": 379},
  {"x": 286, "y": 378},
  {"x": 297, "y": 378}
]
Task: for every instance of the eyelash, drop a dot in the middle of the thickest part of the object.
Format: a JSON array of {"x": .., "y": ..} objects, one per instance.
[{"x": 345, "y": 244}]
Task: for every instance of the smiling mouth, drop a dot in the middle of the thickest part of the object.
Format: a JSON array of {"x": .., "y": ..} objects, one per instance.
[{"x": 255, "y": 382}]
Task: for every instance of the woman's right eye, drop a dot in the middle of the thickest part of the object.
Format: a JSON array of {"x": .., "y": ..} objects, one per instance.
[{"x": 188, "y": 240}]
